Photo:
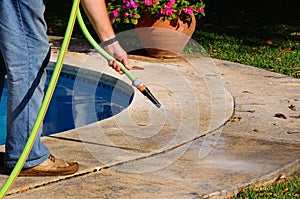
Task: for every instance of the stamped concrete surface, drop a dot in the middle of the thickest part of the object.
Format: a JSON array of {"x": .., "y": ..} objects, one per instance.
[{"x": 222, "y": 127}]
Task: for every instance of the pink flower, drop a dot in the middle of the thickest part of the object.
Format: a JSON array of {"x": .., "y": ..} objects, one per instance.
[
  {"x": 130, "y": 4},
  {"x": 148, "y": 2},
  {"x": 126, "y": 3},
  {"x": 200, "y": 9},
  {"x": 167, "y": 11},
  {"x": 163, "y": 11},
  {"x": 169, "y": 5},
  {"x": 134, "y": 4},
  {"x": 188, "y": 10},
  {"x": 132, "y": 15},
  {"x": 114, "y": 14}
]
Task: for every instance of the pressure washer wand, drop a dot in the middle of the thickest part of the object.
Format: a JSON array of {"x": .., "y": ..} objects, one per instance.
[
  {"x": 135, "y": 81},
  {"x": 146, "y": 92}
]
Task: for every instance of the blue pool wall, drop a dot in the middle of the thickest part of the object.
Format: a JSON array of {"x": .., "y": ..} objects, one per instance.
[{"x": 100, "y": 95}]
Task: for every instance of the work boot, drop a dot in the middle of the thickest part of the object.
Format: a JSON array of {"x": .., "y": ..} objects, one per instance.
[{"x": 51, "y": 167}]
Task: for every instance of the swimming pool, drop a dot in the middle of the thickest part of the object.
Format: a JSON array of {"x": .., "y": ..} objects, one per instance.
[{"x": 81, "y": 97}]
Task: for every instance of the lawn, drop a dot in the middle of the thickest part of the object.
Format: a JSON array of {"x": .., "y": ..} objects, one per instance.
[
  {"x": 284, "y": 189},
  {"x": 268, "y": 37}
]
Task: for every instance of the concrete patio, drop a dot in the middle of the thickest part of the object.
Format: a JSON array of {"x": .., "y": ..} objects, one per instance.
[{"x": 222, "y": 127}]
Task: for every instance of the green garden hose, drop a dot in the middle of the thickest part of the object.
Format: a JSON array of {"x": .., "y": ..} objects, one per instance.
[
  {"x": 98, "y": 48},
  {"x": 75, "y": 12},
  {"x": 42, "y": 112},
  {"x": 135, "y": 81}
]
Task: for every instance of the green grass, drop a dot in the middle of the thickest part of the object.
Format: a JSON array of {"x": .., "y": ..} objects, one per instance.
[
  {"x": 248, "y": 38},
  {"x": 288, "y": 189}
]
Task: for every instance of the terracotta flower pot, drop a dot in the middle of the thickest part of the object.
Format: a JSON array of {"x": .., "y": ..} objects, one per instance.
[{"x": 164, "y": 39}]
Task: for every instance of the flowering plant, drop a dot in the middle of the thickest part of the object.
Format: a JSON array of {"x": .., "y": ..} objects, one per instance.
[{"x": 129, "y": 11}]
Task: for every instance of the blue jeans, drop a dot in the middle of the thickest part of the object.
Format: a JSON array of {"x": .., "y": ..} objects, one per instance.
[{"x": 24, "y": 48}]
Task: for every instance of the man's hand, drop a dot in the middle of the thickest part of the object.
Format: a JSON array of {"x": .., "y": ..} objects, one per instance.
[
  {"x": 97, "y": 14},
  {"x": 119, "y": 53}
]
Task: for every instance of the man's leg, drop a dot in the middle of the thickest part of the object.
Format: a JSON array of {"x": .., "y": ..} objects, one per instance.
[
  {"x": 25, "y": 49},
  {"x": 2, "y": 74}
]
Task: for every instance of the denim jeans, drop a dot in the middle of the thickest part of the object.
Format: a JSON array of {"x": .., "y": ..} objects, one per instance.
[{"x": 24, "y": 48}]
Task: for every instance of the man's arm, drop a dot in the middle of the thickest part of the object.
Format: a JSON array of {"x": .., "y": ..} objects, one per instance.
[{"x": 97, "y": 13}]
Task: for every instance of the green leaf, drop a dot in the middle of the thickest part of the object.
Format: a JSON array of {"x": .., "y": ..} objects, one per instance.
[{"x": 134, "y": 21}]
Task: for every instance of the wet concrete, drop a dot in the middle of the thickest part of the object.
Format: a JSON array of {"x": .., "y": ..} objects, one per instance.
[
  {"x": 233, "y": 163},
  {"x": 215, "y": 134}
]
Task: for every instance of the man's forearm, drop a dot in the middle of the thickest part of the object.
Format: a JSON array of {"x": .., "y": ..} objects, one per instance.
[{"x": 97, "y": 13}]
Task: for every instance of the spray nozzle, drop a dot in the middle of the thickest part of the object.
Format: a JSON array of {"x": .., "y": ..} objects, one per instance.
[{"x": 149, "y": 95}]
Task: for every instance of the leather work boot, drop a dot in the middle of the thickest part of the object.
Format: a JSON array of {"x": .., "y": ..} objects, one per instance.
[{"x": 51, "y": 167}]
